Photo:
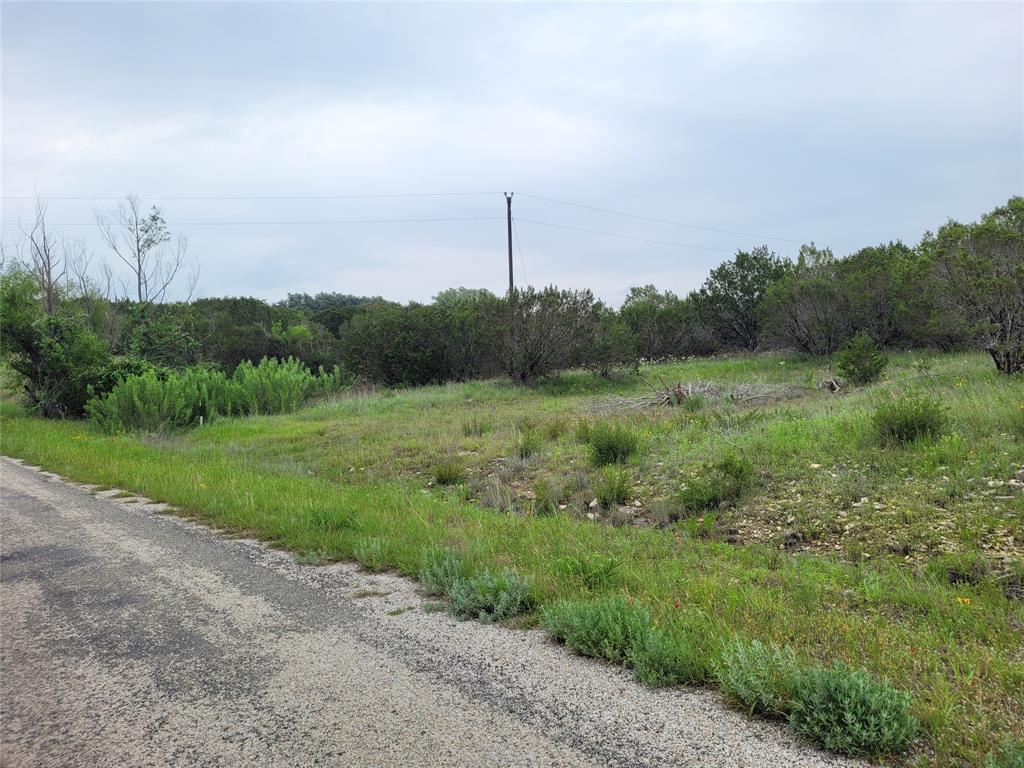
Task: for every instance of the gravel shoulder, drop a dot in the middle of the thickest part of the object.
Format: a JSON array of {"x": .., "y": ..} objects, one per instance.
[{"x": 131, "y": 637}]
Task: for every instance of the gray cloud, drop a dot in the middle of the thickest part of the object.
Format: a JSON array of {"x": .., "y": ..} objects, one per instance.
[{"x": 847, "y": 124}]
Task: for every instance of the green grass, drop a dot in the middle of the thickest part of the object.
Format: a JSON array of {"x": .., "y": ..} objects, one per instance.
[{"x": 840, "y": 546}]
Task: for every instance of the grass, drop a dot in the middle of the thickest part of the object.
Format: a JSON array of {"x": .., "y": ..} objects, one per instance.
[{"x": 891, "y": 556}]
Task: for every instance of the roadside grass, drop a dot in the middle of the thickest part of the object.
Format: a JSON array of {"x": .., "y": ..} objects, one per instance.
[{"x": 354, "y": 478}]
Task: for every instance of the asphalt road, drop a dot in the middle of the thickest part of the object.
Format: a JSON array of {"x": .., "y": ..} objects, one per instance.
[{"x": 132, "y": 638}]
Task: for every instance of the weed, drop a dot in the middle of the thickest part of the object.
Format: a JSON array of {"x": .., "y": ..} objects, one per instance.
[
  {"x": 660, "y": 658},
  {"x": 527, "y": 444},
  {"x": 759, "y": 677},
  {"x": 312, "y": 557},
  {"x": 909, "y": 417},
  {"x": 555, "y": 427},
  {"x": 332, "y": 519},
  {"x": 440, "y": 569},
  {"x": 605, "y": 628},
  {"x": 612, "y": 443},
  {"x": 721, "y": 483},
  {"x": 489, "y": 596},
  {"x": 477, "y": 426},
  {"x": 851, "y": 712},
  {"x": 613, "y": 487},
  {"x": 1009, "y": 755},
  {"x": 498, "y": 496},
  {"x": 371, "y": 553},
  {"x": 547, "y": 494},
  {"x": 449, "y": 472},
  {"x": 1015, "y": 421},
  {"x": 596, "y": 572}
]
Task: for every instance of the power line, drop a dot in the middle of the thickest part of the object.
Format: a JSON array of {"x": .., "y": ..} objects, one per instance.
[
  {"x": 280, "y": 223},
  {"x": 519, "y": 247},
  {"x": 655, "y": 219},
  {"x": 250, "y": 197},
  {"x": 625, "y": 237}
]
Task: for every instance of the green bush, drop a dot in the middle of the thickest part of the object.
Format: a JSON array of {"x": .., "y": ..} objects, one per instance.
[
  {"x": 909, "y": 417},
  {"x": 660, "y": 658},
  {"x": 440, "y": 569},
  {"x": 759, "y": 677},
  {"x": 851, "y": 712},
  {"x": 489, "y": 596},
  {"x": 612, "y": 443},
  {"x": 605, "y": 628},
  {"x": 613, "y": 487},
  {"x": 718, "y": 483},
  {"x": 860, "y": 362},
  {"x": 160, "y": 401}
]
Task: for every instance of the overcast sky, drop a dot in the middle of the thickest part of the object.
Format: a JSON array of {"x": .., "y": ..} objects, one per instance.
[{"x": 846, "y": 124}]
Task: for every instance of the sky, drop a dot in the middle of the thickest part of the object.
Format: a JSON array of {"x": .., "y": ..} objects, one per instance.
[{"x": 840, "y": 123}]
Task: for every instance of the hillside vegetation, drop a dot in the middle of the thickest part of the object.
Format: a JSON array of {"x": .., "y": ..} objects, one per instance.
[{"x": 758, "y": 527}]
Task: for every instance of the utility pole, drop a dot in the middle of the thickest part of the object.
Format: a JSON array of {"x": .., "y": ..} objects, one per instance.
[{"x": 508, "y": 203}]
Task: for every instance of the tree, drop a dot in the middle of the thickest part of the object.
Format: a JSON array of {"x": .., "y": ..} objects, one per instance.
[
  {"x": 546, "y": 331},
  {"x": 142, "y": 242},
  {"x": 807, "y": 309},
  {"x": 731, "y": 296},
  {"x": 59, "y": 361},
  {"x": 978, "y": 281},
  {"x": 47, "y": 260}
]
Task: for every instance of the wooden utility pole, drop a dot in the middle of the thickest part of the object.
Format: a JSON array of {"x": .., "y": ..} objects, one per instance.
[{"x": 508, "y": 203}]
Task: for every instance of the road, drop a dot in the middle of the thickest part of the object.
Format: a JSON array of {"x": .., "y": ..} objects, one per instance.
[{"x": 130, "y": 637}]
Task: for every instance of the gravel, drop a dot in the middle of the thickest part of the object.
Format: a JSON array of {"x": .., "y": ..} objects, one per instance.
[{"x": 132, "y": 637}]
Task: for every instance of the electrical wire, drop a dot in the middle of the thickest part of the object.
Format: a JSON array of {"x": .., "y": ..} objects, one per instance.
[
  {"x": 281, "y": 223},
  {"x": 519, "y": 247},
  {"x": 251, "y": 197},
  {"x": 655, "y": 219},
  {"x": 625, "y": 237}
]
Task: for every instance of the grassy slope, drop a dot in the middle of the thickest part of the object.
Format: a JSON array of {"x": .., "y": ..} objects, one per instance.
[{"x": 873, "y": 602}]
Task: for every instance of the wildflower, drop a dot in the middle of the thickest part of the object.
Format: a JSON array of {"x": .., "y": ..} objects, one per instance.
[{"x": 963, "y": 600}]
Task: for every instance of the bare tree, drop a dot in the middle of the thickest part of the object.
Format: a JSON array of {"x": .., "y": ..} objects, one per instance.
[
  {"x": 47, "y": 258},
  {"x": 142, "y": 241}
]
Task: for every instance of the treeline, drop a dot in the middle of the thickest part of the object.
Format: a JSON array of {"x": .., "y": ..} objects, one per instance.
[{"x": 960, "y": 287}]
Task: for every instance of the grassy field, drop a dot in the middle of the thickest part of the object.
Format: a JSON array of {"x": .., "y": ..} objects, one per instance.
[{"x": 907, "y": 560}]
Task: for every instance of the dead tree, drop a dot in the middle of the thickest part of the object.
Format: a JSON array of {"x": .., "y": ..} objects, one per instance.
[
  {"x": 47, "y": 258},
  {"x": 142, "y": 241}
]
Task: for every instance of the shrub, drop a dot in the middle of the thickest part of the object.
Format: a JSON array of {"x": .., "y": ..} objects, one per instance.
[
  {"x": 449, "y": 472},
  {"x": 159, "y": 401},
  {"x": 759, "y": 677},
  {"x": 489, "y": 596},
  {"x": 612, "y": 487},
  {"x": 719, "y": 483},
  {"x": 440, "y": 569},
  {"x": 851, "y": 712},
  {"x": 909, "y": 417},
  {"x": 860, "y": 362},
  {"x": 659, "y": 659},
  {"x": 597, "y": 572},
  {"x": 612, "y": 443},
  {"x": 370, "y": 552},
  {"x": 605, "y": 628}
]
